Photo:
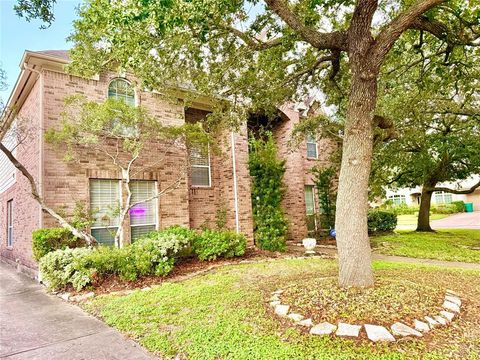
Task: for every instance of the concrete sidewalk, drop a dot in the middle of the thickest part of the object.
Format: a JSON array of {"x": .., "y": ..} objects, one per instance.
[{"x": 35, "y": 325}]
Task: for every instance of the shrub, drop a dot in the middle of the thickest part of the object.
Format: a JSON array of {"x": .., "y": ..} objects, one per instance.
[
  {"x": 460, "y": 205},
  {"x": 58, "y": 268},
  {"x": 270, "y": 225},
  {"x": 212, "y": 244},
  {"x": 324, "y": 183},
  {"x": 444, "y": 208},
  {"x": 152, "y": 254},
  {"x": 186, "y": 235},
  {"x": 48, "y": 240},
  {"x": 379, "y": 221}
]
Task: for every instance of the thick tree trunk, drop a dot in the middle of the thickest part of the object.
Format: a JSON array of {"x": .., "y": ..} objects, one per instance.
[
  {"x": 353, "y": 244},
  {"x": 423, "y": 222}
]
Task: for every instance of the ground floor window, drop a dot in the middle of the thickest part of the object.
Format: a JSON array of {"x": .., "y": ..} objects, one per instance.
[
  {"x": 143, "y": 216},
  {"x": 442, "y": 197},
  {"x": 398, "y": 199},
  {"x": 105, "y": 198},
  {"x": 105, "y": 205},
  {"x": 310, "y": 207},
  {"x": 10, "y": 223}
]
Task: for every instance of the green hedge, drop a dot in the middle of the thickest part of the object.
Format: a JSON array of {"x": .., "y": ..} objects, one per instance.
[
  {"x": 212, "y": 244},
  {"x": 48, "y": 240},
  {"x": 153, "y": 254},
  {"x": 381, "y": 221}
]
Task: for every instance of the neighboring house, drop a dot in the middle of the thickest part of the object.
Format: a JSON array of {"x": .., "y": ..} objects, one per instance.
[
  {"x": 411, "y": 196},
  {"x": 217, "y": 183}
]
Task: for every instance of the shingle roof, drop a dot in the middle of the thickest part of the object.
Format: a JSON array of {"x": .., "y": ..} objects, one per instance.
[{"x": 61, "y": 54}]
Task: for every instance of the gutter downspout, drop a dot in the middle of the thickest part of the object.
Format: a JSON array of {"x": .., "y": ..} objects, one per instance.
[
  {"x": 40, "y": 138},
  {"x": 235, "y": 193}
]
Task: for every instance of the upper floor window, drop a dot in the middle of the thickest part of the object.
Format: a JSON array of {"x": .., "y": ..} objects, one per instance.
[
  {"x": 398, "y": 199},
  {"x": 10, "y": 223},
  {"x": 200, "y": 161},
  {"x": 312, "y": 146},
  {"x": 121, "y": 89},
  {"x": 442, "y": 197}
]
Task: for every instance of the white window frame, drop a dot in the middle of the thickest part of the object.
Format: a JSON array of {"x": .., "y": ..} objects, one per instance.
[
  {"x": 403, "y": 199},
  {"x": 10, "y": 223},
  {"x": 135, "y": 95},
  {"x": 209, "y": 166},
  {"x": 119, "y": 182},
  {"x": 442, "y": 195},
  {"x": 156, "y": 209},
  {"x": 314, "y": 214},
  {"x": 311, "y": 139}
]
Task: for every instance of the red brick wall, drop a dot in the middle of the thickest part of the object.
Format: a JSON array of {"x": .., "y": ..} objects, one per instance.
[
  {"x": 297, "y": 173},
  {"x": 26, "y": 211}
]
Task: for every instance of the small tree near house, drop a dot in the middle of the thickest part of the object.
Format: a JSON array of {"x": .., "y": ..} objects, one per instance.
[{"x": 123, "y": 134}]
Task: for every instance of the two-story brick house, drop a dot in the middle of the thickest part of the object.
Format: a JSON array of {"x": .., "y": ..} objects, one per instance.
[{"x": 217, "y": 182}]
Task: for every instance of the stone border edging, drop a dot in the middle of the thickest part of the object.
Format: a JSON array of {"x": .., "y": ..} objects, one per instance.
[{"x": 375, "y": 333}]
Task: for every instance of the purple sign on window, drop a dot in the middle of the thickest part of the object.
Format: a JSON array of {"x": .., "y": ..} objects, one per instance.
[{"x": 138, "y": 210}]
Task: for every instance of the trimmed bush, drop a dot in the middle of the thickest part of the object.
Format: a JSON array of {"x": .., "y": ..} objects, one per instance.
[
  {"x": 446, "y": 208},
  {"x": 151, "y": 255},
  {"x": 460, "y": 205},
  {"x": 381, "y": 221},
  {"x": 213, "y": 244},
  {"x": 48, "y": 240}
]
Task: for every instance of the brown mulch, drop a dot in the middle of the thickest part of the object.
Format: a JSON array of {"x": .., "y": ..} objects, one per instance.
[{"x": 184, "y": 269}]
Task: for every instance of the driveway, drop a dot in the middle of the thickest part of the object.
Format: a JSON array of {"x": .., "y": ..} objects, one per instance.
[
  {"x": 35, "y": 325},
  {"x": 456, "y": 221},
  {"x": 459, "y": 221}
]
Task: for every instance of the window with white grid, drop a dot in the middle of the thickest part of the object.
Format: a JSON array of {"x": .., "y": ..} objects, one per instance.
[
  {"x": 143, "y": 216},
  {"x": 442, "y": 197},
  {"x": 200, "y": 163},
  {"x": 121, "y": 89},
  {"x": 311, "y": 146},
  {"x": 398, "y": 199},
  {"x": 105, "y": 203}
]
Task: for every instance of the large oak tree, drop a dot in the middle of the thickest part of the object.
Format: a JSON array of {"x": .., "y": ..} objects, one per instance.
[{"x": 262, "y": 54}]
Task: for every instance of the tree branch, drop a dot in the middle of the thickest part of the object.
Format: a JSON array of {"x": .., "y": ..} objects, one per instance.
[
  {"x": 336, "y": 40},
  {"x": 459, "y": 192},
  {"x": 397, "y": 26}
]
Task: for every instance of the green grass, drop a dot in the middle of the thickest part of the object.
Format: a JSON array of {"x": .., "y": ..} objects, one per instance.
[
  {"x": 450, "y": 245},
  {"x": 412, "y": 219},
  {"x": 224, "y": 315}
]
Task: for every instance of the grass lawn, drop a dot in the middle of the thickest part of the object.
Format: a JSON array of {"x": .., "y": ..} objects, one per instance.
[
  {"x": 412, "y": 219},
  {"x": 450, "y": 245},
  {"x": 224, "y": 315}
]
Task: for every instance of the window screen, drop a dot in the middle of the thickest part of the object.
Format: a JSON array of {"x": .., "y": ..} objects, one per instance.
[
  {"x": 200, "y": 172},
  {"x": 143, "y": 216},
  {"x": 10, "y": 223},
  {"x": 311, "y": 146},
  {"x": 104, "y": 203}
]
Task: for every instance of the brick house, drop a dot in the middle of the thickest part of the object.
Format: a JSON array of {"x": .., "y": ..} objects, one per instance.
[{"x": 217, "y": 182}]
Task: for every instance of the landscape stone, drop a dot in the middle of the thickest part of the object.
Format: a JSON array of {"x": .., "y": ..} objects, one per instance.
[
  {"x": 447, "y": 315},
  {"x": 64, "y": 296},
  {"x": 324, "y": 328},
  {"x": 306, "y": 323},
  {"x": 378, "y": 333},
  {"x": 295, "y": 317},
  {"x": 431, "y": 322},
  {"x": 451, "y": 306},
  {"x": 453, "y": 299},
  {"x": 274, "y": 303},
  {"x": 348, "y": 330},
  {"x": 282, "y": 310},
  {"x": 403, "y": 330},
  {"x": 278, "y": 292},
  {"x": 83, "y": 297},
  {"x": 275, "y": 298},
  {"x": 451, "y": 292},
  {"x": 440, "y": 319},
  {"x": 421, "y": 326}
]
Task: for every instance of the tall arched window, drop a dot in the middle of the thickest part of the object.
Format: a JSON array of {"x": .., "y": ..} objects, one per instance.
[{"x": 121, "y": 89}]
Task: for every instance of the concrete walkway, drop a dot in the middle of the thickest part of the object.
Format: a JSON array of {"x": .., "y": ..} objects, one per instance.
[{"x": 35, "y": 325}]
